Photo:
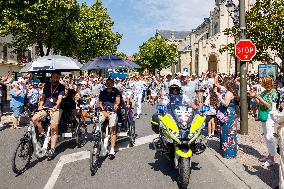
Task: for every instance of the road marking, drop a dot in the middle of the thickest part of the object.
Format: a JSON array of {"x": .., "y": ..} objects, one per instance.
[{"x": 69, "y": 158}]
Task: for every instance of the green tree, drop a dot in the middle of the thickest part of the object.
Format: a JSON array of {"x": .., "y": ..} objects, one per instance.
[
  {"x": 48, "y": 23},
  {"x": 64, "y": 26},
  {"x": 94, "y": 33},
  {"x": 121, "y": 54},
  {"x": 156, "y": 53},
  {"x": 265, "y": 28}
]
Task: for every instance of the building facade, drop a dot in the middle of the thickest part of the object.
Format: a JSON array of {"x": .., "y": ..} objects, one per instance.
[
  {"x": 182, "y": 40},
  {"x": 13, "y": 61},
  {"x": 199, "y": 48}
]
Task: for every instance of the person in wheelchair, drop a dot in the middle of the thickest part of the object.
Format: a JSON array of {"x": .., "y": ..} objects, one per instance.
[
  {"x": 109, "y": 101},
  {"x": 69, "y": 112}
]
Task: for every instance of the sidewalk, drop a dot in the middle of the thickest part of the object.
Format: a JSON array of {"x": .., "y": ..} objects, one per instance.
[{"x": 246, "y": 166}]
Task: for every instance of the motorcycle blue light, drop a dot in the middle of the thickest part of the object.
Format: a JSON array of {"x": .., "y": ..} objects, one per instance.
[
  {"x": 161, "y": 107},
  {"x": 205, "y": 108}
]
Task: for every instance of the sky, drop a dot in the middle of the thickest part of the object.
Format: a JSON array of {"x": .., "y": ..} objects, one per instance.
[{"x": 138, "y": 20}]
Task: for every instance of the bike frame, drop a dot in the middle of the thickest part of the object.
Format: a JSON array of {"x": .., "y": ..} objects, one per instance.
[{"x": 39, "y": 151}]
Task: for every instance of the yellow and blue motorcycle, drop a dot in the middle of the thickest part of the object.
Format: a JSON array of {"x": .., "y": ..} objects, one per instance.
[{"x": 179, "y": 127}]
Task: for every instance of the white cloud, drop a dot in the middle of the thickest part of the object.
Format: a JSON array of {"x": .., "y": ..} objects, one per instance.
[{"x": 171, "y": 14}]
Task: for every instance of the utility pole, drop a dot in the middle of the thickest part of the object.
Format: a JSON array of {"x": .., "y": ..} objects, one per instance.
[{"x": 243, "y": 92}]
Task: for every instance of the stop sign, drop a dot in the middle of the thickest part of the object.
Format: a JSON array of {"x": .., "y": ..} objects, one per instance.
[{"x": 245, "y": 50}]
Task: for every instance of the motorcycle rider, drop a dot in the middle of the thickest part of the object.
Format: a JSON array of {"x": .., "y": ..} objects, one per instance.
[
  {"x": 175, "y": 95},
  {"x": 51, "y": 98},
  {"x": 110, "y": 99}
]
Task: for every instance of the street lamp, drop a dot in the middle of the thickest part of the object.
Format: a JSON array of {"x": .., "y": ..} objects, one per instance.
[{"x": 233, "y": 10}]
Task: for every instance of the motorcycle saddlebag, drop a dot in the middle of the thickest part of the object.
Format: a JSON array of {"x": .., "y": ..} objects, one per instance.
[{"x": 155, "y": 123}]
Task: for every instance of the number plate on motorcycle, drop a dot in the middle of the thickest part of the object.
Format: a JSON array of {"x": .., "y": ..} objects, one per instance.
[{"x": 161, "y": 107}]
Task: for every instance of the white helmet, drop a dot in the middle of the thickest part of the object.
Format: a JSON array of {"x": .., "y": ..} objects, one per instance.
[
  {"x": 175, "y": 82},
  {"x": 174, "y": 85}
]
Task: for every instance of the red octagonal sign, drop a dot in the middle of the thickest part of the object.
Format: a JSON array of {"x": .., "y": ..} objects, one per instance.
[{"x": 245, "y": 50}]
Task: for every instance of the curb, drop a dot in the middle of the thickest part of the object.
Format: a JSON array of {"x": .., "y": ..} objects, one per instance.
[{"x": 238, "y": 170}]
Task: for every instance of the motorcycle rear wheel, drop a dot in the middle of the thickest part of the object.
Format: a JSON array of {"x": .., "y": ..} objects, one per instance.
[
  {"x": 184, "y": 170},
  {"x": 24, "y": 151}
]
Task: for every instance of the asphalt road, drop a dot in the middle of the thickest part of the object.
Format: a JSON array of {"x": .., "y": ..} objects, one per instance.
[{"x": 136, "y": 167}]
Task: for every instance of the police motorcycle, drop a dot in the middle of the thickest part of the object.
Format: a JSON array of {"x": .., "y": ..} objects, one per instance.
[
  {"x": 125, "y": 130},
  {"x": 179, "y": 128},
  {"x": 69, "y": 128}
]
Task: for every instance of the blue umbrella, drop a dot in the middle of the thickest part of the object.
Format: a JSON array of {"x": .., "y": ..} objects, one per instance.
[{"x": 109, "y": 62}]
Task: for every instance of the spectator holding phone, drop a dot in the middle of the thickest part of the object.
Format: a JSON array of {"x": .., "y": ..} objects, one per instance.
[{"x": 267, "y": 102}]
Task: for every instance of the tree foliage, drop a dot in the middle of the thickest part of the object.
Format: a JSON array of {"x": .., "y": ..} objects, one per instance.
[
  {"x": 265, "y": 27},
  {"x": 156, "y": 53},
  {"x": 94, "y": 33},
  {"x": 63, "y": 26},
  {"x": 121, "y": 54},
  {"x": 45, "y": 23}
]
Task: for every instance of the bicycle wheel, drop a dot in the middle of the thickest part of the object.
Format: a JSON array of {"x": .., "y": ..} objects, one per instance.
[
  {"x": 80, "y": 135},
  {"x": 94, "y": 156},
  {"x": 132, "y": 134},
  {"x": 22, "y": 156}
]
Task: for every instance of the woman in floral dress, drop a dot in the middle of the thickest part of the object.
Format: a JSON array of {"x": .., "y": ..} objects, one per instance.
[{"x": 227, "y": 119}]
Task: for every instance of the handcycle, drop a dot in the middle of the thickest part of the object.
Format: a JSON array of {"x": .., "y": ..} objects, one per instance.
[
  {"x": 29, "y": 144},
  {"x": 102, "y": 139}
]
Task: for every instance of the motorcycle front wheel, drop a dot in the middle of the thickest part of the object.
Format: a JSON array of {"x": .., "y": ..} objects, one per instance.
[
  {"x": 184, "y": 170},
  {"x": 22, "y": 156}
]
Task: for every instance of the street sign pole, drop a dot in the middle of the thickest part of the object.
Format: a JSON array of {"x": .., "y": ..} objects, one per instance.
[{"x": 243, "y": 70}]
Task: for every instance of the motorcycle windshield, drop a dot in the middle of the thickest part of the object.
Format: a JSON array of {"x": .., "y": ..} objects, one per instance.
[{"x": 182, "y": 112}]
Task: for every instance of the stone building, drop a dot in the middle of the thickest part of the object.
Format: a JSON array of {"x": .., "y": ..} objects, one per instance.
[
  {"x": 182, "y": 40},
  {"x": 199, "y": 48}
]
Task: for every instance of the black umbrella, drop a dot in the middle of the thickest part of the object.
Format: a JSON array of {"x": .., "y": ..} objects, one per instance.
[{"x": 109, "y": 62}]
